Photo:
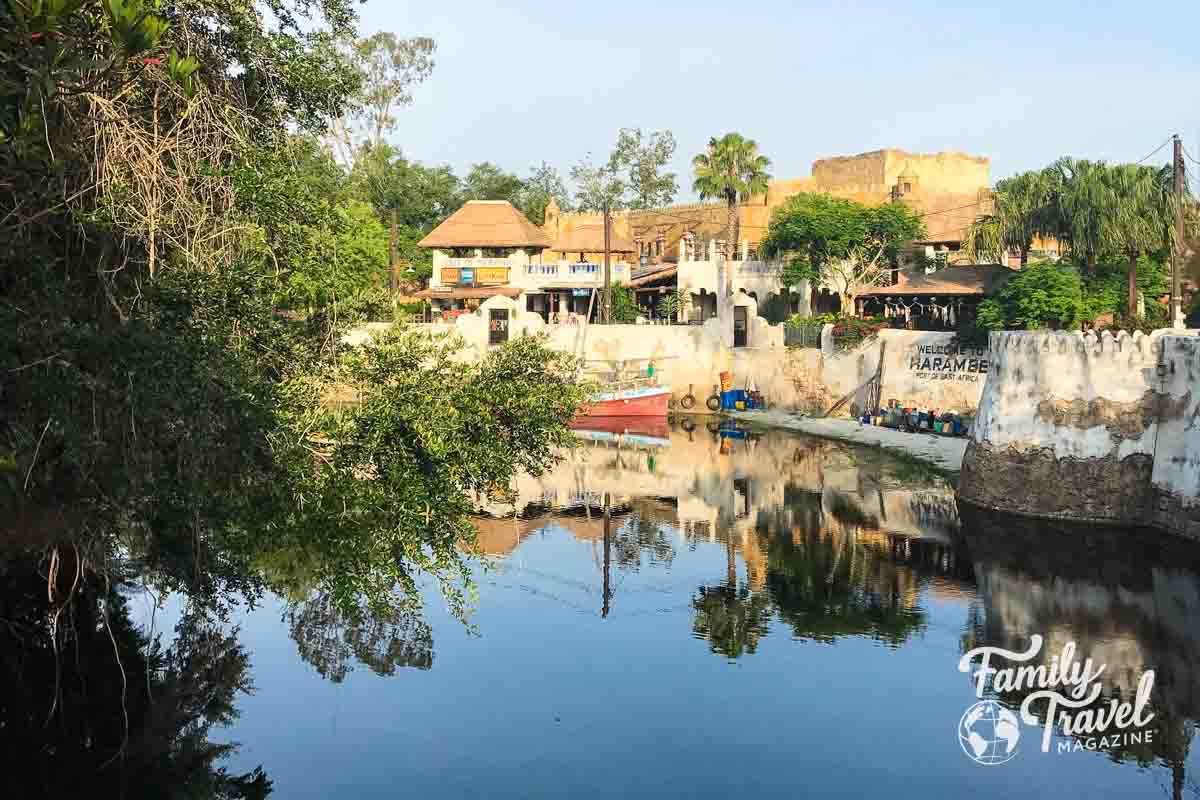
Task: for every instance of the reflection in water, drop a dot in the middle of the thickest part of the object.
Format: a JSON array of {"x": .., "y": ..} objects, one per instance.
[
  {"x": 382, "y": 638},
  {"x": 91, "y": 706},
  {"x": 1128, "y": 599},
  {"x": 777, "y": 554}
]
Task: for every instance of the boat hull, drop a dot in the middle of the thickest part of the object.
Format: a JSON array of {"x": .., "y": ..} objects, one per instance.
[{"x": 649, "y": 402}]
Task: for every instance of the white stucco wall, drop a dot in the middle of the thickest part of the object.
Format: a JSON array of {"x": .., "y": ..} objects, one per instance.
[
  {"x": 921, "y": 369},
  {"x": 1031, "y": 367},
  {"x": 1177, "y": 458}
]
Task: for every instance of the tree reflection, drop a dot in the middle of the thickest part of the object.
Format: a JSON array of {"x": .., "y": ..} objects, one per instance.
[
  {"x": 92, "y": 706},
  {"x": 382, "y": 637},
  {"x": 731, "y": 617}
]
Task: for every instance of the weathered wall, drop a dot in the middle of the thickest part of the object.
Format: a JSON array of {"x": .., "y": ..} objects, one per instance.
[
  {"x": 922, "y": 369},
  {"x": 1089, "y": 428}
]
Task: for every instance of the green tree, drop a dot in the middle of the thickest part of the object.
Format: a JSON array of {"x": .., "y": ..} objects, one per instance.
[
  {"x": 421, "y": 197},
  {"x": 1139, "y": 217},
  {"x": 732, "y": 170},
  {"x": 543, "y": 185},
  {"x": 644, "y": 156},
  {"x": 486, "y": 181},
  {"x": 1039, "y": 296},
  {"x": 601, "y": 188},
  {"x": 839, "y": 243},
  {"x": 391, "y": 68},
  {"x": 1083, "y": 200},
  {"x": 1024, "y": 207}
]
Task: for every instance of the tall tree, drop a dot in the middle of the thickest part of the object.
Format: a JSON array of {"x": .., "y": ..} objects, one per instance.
[
  {"x": 731, "y": 169},
  {"x": 1082, "y": 200},
  {"x": 543, "y": 185},
  {"x": 391, "y": 68},
  {"x": 644, "y": 156},
  {"x": 420, "y": 196},
  {"x": 601, "y": 188},
  {"x": 1024, "y": 207},
  {"x": 1138, "y": 215}
]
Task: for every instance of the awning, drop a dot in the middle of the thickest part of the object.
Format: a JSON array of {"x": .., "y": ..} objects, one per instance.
[
  {"x": 651, "y": 277},
  {"x": 469, "y": 292}
]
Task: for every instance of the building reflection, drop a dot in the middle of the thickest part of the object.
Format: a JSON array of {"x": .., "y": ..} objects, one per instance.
[
  {"x": 827, "y": 539},
  {"x": 1128, "y": 599}
]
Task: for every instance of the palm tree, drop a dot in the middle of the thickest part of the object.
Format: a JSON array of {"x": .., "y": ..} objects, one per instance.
[
  {"x": 1082, "y": 200},
  {"x": 731, "y": 169},
  {"x": 1138, "y": 215},
  {"x": 1023, "y": 208}
]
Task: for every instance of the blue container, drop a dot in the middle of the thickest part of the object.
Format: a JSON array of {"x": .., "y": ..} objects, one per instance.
[
  {"x": 740, "y": 394},
  {"x": 728, "y": 400}
]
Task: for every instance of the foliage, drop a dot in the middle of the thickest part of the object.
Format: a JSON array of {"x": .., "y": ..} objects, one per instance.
[
  {"x": 1039, "y": 296},
  {"x": 644, "y": 155},
  {"x": 419, "y": 196},
  {"x": 1023, "y": 208},
  {"x": 600, "y": 187},
  {"x": 543, "y": 185},
  {"x": 390, "y": 67},
  {"x": 668, "y": 306},
  {"x": 733, "y": 170},
  {"x": 625, "y": 307},
  {"x": 839, "y": 243},
  {"x": 486, "y": 181},
  {"x": 1105, "y": 291}
]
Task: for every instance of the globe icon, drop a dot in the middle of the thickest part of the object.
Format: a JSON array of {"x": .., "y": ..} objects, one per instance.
[{"x": 988, "y": 733}]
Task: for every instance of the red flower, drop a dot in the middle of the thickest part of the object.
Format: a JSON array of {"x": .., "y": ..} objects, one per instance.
[
  {"x": 154, "y": 61},
  {"x": 35, "y": 36}
]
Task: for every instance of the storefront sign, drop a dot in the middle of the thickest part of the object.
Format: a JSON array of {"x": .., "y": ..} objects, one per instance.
[
  {"x": 945, "y": 362},
  {"x": 467, "y": 276},
  {"x": 581, "y": 292},
  {"x": 450, "y": 276},
  {"x": 490, "y": 276}
]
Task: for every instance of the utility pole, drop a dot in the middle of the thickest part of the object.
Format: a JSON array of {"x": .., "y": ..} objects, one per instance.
[
  {"x": 604, "y": 607},
  {"x": 1177, "y": 255},
  {"x": 394, "y": 267},
  {"x": 607, "y": 273}
]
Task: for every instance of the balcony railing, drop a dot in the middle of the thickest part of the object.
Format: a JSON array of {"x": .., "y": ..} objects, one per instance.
[{"x": 541, "y": 269}]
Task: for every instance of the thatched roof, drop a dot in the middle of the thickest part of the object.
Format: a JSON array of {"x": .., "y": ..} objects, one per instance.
[
  {"x": 977, "y": 279},
  {"x": 486, "y": 223},
  {"x": 590, "y": 239}
]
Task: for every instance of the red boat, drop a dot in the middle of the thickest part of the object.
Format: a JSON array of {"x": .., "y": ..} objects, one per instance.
[
  {"x": 643, "y": 401},
  {"x": 639, "y": 426}
]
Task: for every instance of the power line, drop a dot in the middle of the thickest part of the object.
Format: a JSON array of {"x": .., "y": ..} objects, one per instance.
[{"x": 1155, "y": 150}]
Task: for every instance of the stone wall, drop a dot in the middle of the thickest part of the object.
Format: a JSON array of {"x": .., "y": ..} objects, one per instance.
[
  {"x": 1091, "y": 428},
  {"x": 930, "y": 370}
]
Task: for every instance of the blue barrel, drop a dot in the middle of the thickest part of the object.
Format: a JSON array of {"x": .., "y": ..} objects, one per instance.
[{"x": 729, "y": 400}]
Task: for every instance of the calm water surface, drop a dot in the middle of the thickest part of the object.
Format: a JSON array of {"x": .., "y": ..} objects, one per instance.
[{"x": 756, "y": 616}]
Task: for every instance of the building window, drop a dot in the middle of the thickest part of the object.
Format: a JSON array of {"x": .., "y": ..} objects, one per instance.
[{"x": 907, "y": 188}]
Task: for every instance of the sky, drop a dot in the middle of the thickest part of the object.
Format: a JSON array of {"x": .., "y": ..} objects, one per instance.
[{"x": 517, "y": 83}]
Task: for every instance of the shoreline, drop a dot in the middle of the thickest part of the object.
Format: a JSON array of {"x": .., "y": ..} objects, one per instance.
[{"x": 943, "y": 452}]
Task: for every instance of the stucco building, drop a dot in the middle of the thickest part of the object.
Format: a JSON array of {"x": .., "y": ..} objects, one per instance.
[{"x": 949, "y": 189}]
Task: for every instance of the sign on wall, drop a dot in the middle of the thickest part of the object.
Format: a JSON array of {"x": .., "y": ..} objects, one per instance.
[
  {"x": 949, "y": 362},
  {"x": 467, "y": 276},
  {"x": 491, "y": 275},
  {"x": 449, "y": 276}
]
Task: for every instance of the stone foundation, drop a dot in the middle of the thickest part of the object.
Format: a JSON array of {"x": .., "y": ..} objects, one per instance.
[{"x": 1033, "y": 482}]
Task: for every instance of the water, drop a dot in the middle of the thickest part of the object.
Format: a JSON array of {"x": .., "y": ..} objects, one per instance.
[{"x": 784, "y": 617}]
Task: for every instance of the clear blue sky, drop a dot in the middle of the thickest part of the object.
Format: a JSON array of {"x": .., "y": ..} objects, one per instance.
[{"x": 1019, "y": 82}]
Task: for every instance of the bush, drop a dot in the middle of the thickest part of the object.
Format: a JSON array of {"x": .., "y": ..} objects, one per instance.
[{"x": 1039, "y": 296}]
